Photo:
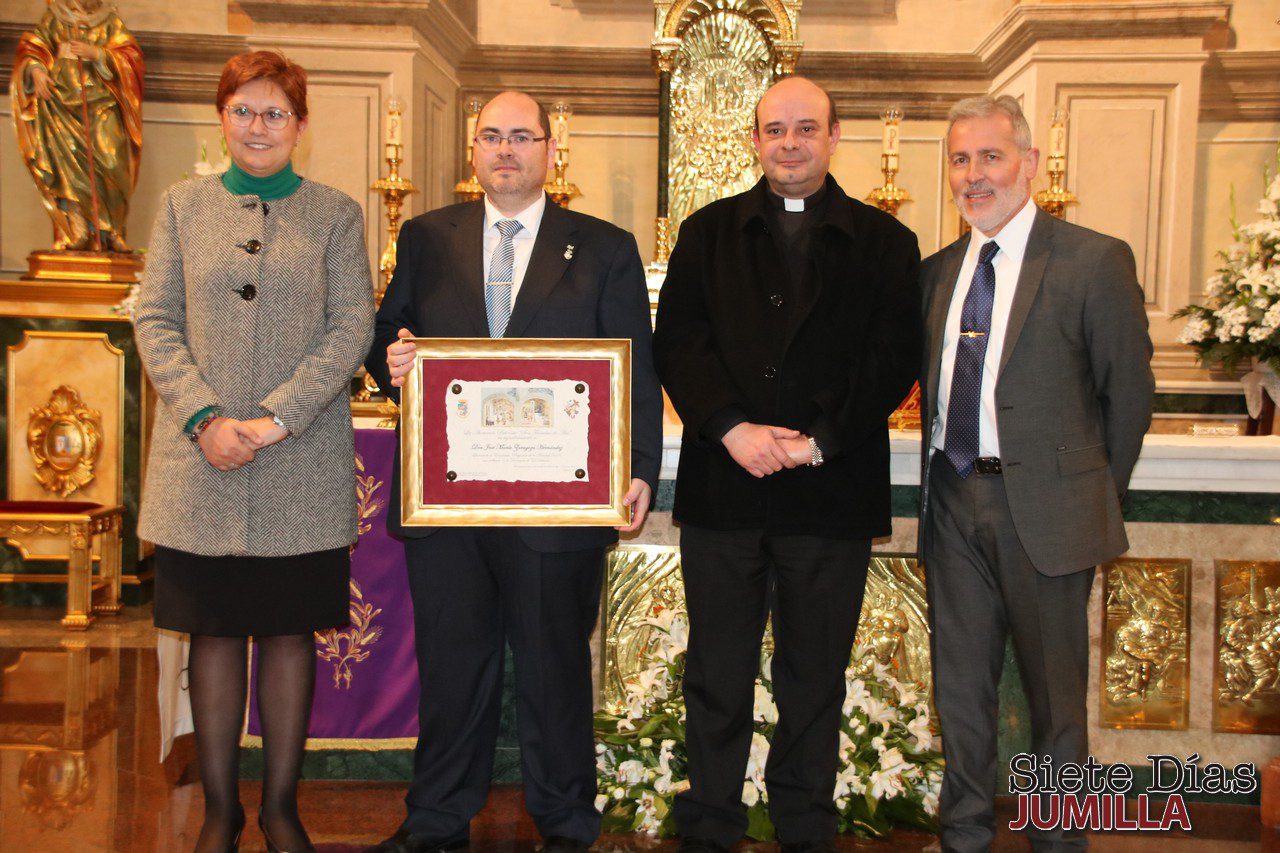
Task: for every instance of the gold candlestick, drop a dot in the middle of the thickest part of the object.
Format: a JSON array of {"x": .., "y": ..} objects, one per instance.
[
  {"x": 393, "y": 189},
  {"x": 890, "y": 196},
  {"x": 559, "y": 188},
  {"x": 470, "y": 189},
  {"x": 1054, "y": 200}
]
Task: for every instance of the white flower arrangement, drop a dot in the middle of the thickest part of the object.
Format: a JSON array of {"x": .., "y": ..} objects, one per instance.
[
  {"x": 1240, "y": 317},
  {"x": 889, "y": 772}
]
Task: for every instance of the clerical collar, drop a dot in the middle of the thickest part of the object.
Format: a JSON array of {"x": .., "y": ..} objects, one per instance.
[{"x": 797, "y": 205}]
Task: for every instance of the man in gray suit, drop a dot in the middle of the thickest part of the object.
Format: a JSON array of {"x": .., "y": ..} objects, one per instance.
[
  {"x": 1037, "y": 386},
  {"x": 512, "y": 265}
]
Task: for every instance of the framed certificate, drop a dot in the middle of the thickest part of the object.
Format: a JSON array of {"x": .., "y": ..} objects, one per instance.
[{"x": 516, "y": 431}]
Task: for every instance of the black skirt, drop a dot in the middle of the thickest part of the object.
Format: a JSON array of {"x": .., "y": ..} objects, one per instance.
[{"x": 252, "y": 596}]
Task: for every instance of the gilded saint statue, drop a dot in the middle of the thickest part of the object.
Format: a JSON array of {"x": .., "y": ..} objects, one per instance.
[{"x": 77, "y": 105}]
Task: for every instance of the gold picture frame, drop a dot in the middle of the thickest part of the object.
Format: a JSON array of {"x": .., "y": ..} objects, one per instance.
[{"x": 428, "y": 505}]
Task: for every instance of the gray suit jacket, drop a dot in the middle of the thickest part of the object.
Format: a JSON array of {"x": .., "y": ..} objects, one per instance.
[
  {"x": 290, "y": 351},
  {"x": 1074, "y": 392},
  {"x": 595, "y": 291}
]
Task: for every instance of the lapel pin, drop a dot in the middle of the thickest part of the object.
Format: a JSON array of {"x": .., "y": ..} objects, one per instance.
[{"x": 568, "y": 252}]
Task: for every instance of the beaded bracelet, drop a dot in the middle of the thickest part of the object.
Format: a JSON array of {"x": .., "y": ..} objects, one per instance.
[{"x": 202, "y": 425}]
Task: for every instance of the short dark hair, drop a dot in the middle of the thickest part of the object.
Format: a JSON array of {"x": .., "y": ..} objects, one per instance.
[
  {"x": 832, "y": 119},
  {"x": 264, "y": 65}
]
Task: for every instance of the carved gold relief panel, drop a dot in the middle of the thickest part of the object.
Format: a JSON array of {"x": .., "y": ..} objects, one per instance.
[
  {"x": 721, "y": 55},
  {"x": 1246, "y": 679},
  {"x": 1146, "y": 635},
  {"x": 643, "y": 580}
]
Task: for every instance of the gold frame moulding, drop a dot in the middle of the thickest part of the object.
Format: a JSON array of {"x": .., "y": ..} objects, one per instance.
[{"x": 416, "y": 512}]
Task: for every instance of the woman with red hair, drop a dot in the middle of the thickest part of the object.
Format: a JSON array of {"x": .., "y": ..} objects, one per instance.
[{"x": 255, "y": 311}]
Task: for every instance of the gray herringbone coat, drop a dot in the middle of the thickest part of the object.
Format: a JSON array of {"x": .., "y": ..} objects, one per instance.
[{"x": 290, "y": 351}]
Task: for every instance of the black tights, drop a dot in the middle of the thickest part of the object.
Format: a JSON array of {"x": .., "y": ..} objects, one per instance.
[{"x": 286, "y": 679}]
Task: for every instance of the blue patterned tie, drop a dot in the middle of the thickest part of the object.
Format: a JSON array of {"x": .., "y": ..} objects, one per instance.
[
  {"x": 497, "y": 290},
  {"x": 961, "y": 443}
]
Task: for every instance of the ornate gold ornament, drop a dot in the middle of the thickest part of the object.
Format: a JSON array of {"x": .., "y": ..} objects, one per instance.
[
  {"x": 1247, "y": 667},
  {"x": 894, "y": 624},
  {"x": 56, "y": 785},
  {"x": 350, "y": 645},
  {"x": 715, "y": 59},
  {"x": 64, "y": 437},
  {"x": 641, "y": 581},
  {"x": 1145, "y": 641}
]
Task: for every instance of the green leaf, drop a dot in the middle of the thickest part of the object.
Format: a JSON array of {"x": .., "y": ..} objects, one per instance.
[{"x": 759, "y": 827}]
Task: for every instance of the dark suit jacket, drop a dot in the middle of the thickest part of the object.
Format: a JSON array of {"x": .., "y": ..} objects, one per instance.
[
  {"x": 1073, "y": 397},
  {"x": 438, "y": 291},
  {"x": 834, "y": 361}
]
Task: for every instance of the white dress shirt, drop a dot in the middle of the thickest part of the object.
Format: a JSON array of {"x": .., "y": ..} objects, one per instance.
[
  {"x": 522, "y": 242},
  {"x": 1012, "y": 239}
]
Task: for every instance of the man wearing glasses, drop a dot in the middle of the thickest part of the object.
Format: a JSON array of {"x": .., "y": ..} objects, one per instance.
[{"x": 512, "y": 265}]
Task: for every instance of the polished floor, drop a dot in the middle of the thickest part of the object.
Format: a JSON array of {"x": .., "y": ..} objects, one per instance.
[{"x": 80, "y": 769}]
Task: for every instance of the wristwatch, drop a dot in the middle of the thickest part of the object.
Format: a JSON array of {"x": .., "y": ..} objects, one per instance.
[{"x": 275, "y": 419}]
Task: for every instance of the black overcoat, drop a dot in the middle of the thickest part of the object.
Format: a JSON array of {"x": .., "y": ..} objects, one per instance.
[{"x": 832, "y": 355}]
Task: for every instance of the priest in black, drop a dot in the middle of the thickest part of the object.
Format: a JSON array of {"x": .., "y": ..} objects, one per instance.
[{"x": 788, "y": 331}]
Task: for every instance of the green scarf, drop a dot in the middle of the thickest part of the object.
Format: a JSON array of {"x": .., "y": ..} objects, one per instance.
[{"x": 282, "y": 183}]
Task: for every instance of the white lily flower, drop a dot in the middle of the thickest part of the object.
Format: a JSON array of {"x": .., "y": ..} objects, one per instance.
[
  {"x": 921, "y": 733},
  {"x": 631, "y": 772},
  {"x": 765, "y": 710}
]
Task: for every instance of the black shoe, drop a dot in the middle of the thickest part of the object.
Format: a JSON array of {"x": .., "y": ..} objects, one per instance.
[
  {"x": 272, "y": 847},
  {"x": 405, "y": 841},
  {"x": 809, "y": 847},
  {"x": 701, "y": 845},
  {"x": 561, "y": 844}
]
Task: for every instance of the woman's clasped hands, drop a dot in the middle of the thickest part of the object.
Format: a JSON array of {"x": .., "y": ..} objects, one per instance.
[{"x": 228, "y": 443}]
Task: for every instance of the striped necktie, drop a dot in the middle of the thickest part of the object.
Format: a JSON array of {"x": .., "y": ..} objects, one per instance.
[
  {"x": 497, "y": 290},
  {"x": 965, "y": 402}
]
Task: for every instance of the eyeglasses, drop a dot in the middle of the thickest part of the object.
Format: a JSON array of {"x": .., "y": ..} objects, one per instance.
[
  {"x": 273, "y": 118},
  {"x": 517, "y": 141}
]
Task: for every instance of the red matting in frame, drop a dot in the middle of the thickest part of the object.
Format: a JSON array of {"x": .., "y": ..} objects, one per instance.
[{"x": 437, "y": 373}]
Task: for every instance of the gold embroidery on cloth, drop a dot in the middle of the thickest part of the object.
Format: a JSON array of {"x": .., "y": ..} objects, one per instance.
[{"x": 350, "y": 645}]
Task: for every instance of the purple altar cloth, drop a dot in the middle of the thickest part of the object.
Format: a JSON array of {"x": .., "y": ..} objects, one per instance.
[{"x": 366, "y": 674}]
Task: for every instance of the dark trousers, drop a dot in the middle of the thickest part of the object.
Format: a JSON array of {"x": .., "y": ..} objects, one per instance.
[
  {"x": 472, "y": 589},
  {"x": 818, "y": 585},
  {"x": 981, "y": 587}
]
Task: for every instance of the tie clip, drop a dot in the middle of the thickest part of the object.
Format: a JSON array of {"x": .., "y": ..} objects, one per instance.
[{"x": 973, "y": 334}]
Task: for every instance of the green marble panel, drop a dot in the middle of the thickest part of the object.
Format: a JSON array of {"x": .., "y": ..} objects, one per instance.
[
  {"x": 665, "y": 499},
  {"x": 1167, "y": 507},
  {"x": 1202, "y": 507},
  {"x": 1199, "y": 404},
  {"x": 1013, "y": 720}
]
